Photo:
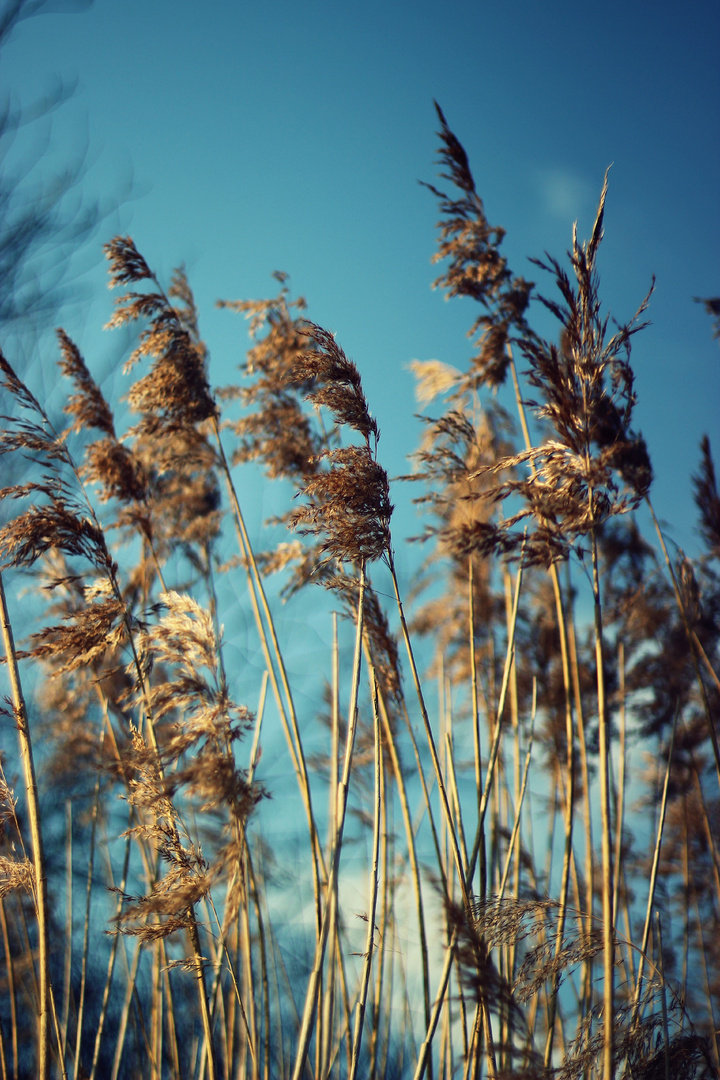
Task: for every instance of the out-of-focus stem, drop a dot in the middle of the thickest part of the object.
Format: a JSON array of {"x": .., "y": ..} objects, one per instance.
[
  {"x": 40, "y": 883},
  {"x": 370, "y": 940},
  {"x": 606, "y": 826},
  {"x": 343, "y": 788},
  {"x": 268, "y": 636},
  {"x": 696, "y": 649},
  {"x": 430, "y": 738},
  {"x": 653, "y": 880}
]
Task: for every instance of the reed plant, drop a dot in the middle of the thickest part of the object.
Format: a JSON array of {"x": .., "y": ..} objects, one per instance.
[{"x": 515, "y": 767}]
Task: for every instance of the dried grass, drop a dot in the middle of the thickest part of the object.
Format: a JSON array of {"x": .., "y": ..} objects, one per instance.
[{"x": 524, "y": 969}]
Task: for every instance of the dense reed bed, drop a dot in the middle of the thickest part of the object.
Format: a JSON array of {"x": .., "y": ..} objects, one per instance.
[{"x": 516, "y": 768}]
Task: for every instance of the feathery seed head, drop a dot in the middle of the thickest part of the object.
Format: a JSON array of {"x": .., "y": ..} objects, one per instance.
[
  {"x": 126, "y": 262},
  {"x": 349, "y": 506},
  {"x": 475, "y": 266},
  {"x": 336, "y": 382}
]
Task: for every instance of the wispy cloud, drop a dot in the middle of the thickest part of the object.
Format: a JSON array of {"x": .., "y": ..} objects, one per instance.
[{"x": 564, "y": 193}]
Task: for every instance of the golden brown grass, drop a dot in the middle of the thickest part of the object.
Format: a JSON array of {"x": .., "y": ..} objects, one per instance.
[{"x": 534, "y": 904}]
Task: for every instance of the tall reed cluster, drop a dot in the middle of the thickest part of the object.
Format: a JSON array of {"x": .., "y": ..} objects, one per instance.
[{"x": 518, "y": 773}]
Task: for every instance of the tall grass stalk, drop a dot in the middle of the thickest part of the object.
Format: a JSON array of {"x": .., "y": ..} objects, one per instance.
[
  {"x": 448, "y": 818},
  {"x": 653, "y": 882},
  {"x": 370, "y": 947},
  {"x": 342, "y": 799},
  {"x": 605, "y": 828},
  {"x": 495, "y": 854},
  {"x": 39, "y": 884},
  {"x": 86, "y": 929}
]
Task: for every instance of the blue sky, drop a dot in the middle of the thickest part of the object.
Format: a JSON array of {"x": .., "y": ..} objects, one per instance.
[{"x": 290, "y": 135}]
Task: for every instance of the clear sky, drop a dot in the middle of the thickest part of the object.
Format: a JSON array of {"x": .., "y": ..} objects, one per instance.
[{"x": 243, "y": 138}]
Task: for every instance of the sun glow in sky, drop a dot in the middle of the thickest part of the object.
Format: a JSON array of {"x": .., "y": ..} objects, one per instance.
[{"x": 242, "y": 139}]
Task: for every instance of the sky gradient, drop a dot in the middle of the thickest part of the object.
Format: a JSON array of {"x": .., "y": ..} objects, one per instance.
[{"x": 242, "y": 139}]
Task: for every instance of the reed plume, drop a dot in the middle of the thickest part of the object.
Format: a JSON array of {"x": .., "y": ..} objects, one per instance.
[{"x": 513, "y": 765}]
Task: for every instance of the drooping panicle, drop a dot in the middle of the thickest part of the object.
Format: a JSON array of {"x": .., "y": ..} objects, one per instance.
[
  {"x": 348, "y": 507},
  {"x": 126, "y": 262},
  {"x": 171, "y": 452},
  {"x": 277, "y": 430},
  {"x": 176, "y": 390},
  {"x": 336, "y": 382},
  {"x": 58, "y": 518},
  {"x": 475, "y": 267}
]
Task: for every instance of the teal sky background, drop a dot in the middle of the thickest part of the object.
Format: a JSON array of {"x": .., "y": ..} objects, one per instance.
[{"x": 243, "y": 138}]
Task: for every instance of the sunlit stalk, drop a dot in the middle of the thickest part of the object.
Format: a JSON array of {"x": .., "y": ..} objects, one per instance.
[
  {"x": 430, "y": 738},
  {"x": 311, "y": 993},
  {"x": 373, "y": 889},
  {"x": 606, "y": 827},
  {"x": 653, "y": 880},
  {"x": 40, "y": 876}
]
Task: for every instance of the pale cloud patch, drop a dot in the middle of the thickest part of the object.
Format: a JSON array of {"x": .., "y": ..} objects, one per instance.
[{"x": 565, "y": 194}]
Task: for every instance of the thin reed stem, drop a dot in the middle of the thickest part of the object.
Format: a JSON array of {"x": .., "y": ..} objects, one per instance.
[
  {"x": 373, "y": 890},
  {"x": 397, "y": 772},
  {"x": 475, "y": 717},
  {"x": 343, "y": 790},
  {"x": 68, "y": 922},
  {"x": 569, "y": 805},
  {"x": 606, "y": 827},
  {"x": 495, "y": 746},
  {"x": 86, "y": 929},
  {"x": 637, "y": 999},
  {"x": 620, "y": 811},
  {"x": 663, "y": 997},
  {"x": 111, "y": 967},
  {"x": 12, "y": 992},
  {"x": 511, "y": 853},
  {"x": 430, "y": 738},
  {"x": 268, "y": 636},
  {"x": 40, "y": 894},
  {"x": 130, "y": 991}
]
